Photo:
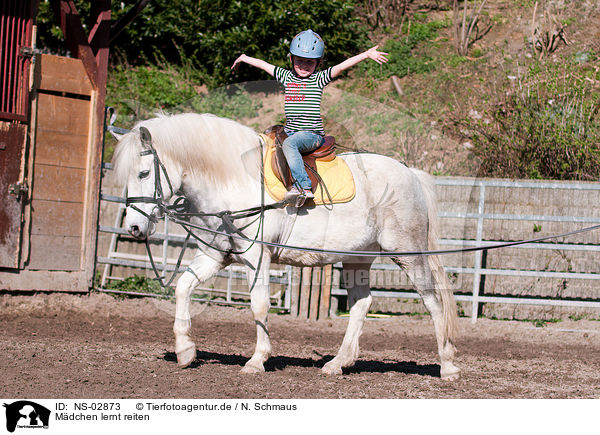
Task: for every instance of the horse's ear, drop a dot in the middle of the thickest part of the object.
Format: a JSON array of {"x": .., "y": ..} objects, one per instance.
[
  {"x": 116, "y": 135},
  {"x": 145, "y": 137}
]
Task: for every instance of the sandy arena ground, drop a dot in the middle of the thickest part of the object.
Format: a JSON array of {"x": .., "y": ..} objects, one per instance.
[{"x": 67, "y": 346}]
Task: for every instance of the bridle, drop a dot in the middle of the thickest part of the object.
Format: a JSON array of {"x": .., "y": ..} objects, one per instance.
[{"x": 158, "y": 197}]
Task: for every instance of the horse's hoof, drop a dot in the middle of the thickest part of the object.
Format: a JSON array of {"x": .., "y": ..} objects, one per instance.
[
  {"x": 450, "y": 374},
  {"x": 186, "y": 356},
  {"x": 331, "y": 369},
  {"x": 252, "y": 369}
]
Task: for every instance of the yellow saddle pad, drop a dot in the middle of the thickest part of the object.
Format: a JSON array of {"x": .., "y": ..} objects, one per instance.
[{"x": 336, "y": 176}]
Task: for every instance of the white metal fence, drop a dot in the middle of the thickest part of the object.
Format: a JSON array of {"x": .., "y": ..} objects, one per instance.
[{"x": 481, "y": 216}]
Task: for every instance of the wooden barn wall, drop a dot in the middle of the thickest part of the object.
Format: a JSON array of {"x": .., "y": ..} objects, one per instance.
[
  {"x": 61, "y": 155},
  {"x": 58, "y": 233}
]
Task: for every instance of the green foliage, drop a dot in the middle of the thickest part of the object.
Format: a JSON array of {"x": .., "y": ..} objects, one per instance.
[
  {"x": 138, "y": 284},
  {"x": 404, "y": 56},
  {"x": 455, "y": 60},
  {"x": 139, "y": 91},
  {"x": 476, "y": 52},
  {"x": 546, "y": 127},
  {"x": 150, "y": 87},
  {"x": 232, "y": 102},
  {"x": 542, "y": 323},
  {"x": 209, "y": 35}
]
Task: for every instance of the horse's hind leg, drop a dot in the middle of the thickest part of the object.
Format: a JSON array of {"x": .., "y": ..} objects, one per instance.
[
  {"x": 428, "y": 276},
  {"x": 258, "y": 281},
  {"x": 356, "y": 278},
  {"x": 202, "y": 268}
]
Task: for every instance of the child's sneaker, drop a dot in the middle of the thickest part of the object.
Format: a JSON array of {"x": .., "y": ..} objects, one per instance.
[{"x": 308, "y": 194}]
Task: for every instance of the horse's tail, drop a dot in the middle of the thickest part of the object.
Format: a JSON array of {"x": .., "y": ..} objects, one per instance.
[{"x": 443, "y": 288}]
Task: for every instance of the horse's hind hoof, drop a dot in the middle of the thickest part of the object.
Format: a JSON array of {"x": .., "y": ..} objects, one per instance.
[
  {"x": 331, "y": 369},
  {"x": 450, "y": 374},
  {"x": 252, "y": 369},
  {"x": 186, "y": 356},
  {"x": 451, "y": 378}
]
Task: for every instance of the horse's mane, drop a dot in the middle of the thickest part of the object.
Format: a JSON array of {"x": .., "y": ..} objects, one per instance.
[{"x": 201, "y": 144}]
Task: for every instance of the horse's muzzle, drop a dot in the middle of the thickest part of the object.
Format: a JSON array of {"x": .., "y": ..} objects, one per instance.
[{"x": 140, "y": 231}]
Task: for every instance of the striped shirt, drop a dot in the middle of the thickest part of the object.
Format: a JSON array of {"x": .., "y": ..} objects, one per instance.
[{"x": 303, "y": 100}]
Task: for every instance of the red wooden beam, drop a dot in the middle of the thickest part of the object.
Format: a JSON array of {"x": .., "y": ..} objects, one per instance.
[
  {"x": 99, "y": 37},
  {"x": 99, "y": 41},
  {"x": 75, "y": 37}
]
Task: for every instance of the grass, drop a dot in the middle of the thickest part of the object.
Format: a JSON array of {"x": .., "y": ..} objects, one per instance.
[
  {"x": 541, "y": 323},
  {"x": 139, "y": 284}
]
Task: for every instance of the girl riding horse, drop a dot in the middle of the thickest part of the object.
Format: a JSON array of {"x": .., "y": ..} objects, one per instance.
[{"x": 303, "y": 91}]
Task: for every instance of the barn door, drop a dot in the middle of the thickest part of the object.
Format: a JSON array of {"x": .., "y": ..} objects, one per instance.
[{"x": 15, "y": 54}]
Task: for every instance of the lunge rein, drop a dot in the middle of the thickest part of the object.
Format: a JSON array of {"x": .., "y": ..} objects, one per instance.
[{"x": 178, "y": 213}]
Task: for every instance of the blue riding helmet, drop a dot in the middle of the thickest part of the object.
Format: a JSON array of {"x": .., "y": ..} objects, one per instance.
[{"x": 307, "y": 44}]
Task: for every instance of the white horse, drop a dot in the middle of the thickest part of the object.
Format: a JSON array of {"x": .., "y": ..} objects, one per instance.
[{"x": 216, "y": 164}]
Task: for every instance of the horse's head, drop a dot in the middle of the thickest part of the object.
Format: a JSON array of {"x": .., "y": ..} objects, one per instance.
[
  {"x": 219, "y": 159},
  {"x": 150, "y": 181}
]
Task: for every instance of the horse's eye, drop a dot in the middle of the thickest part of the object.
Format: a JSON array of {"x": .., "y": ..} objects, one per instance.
[{"x": 143, "y": 174}]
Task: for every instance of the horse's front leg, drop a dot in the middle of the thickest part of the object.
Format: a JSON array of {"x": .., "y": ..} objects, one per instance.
[
  {"x": 202, "y": 268},
  {"x": 258, "y": 281}
]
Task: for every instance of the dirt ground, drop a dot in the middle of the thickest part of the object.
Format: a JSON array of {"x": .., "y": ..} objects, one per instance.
[{"x": 67, "y": 346}]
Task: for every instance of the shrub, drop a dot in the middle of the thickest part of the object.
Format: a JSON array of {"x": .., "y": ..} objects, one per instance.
[
  {"x": 139, "y": 284},
  {"x": 545, "y": 127},
  {"x": 209, "y": 35},
  {"x": 230, "y": 102},
  {"x": 138, "y": 91}
]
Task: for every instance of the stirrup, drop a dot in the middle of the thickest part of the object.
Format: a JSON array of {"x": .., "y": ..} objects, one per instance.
[
  {"x": 296, "y": 200},
  {"x": 300, "y": 200},
  {"x": 296, "y": 196}
]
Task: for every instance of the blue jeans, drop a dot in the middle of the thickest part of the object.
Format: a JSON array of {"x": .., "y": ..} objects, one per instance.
[{"x": 296, "y": 143}]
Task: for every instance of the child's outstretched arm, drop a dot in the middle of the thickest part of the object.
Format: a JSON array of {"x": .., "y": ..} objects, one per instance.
[
  {"x": 372, "y": 53},
  {"x": 258, "y": 63}
]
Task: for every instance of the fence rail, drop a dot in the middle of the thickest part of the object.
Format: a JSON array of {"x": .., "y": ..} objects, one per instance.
[{"x": 477, "y": 269}]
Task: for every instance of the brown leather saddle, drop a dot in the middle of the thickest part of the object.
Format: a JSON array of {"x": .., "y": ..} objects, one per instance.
[{"x": 325, "y": 152}]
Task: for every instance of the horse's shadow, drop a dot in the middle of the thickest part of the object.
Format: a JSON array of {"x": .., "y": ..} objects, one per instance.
[{"x": 281, "y": 362}]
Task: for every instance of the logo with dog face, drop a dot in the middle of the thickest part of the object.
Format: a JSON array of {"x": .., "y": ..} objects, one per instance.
[{"x": 26, "y": 414}]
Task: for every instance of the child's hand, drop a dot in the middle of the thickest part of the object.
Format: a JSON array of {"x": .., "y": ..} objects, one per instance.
[
  {"x": 377, "y": 56},
  {"x": 239, "y": 60}
]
